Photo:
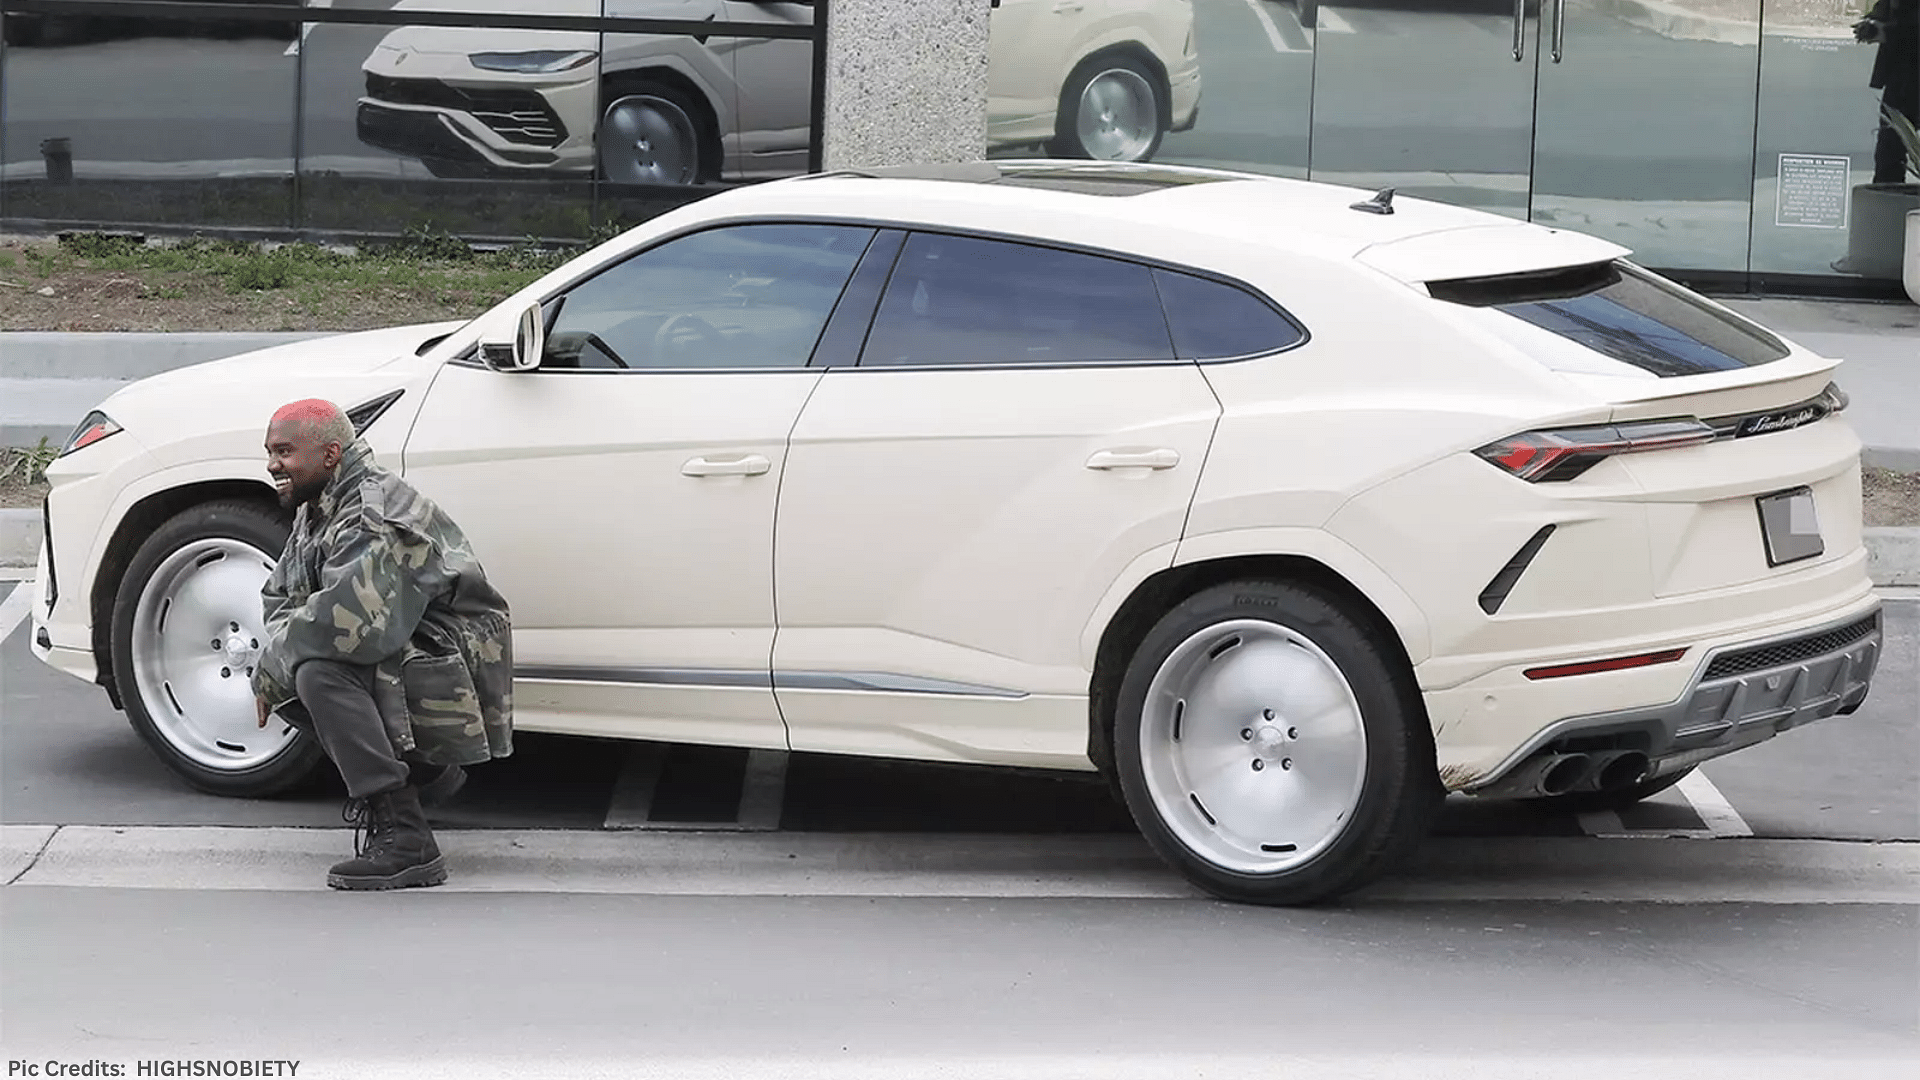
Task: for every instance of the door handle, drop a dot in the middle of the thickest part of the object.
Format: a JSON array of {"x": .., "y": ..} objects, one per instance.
[
  {"x": 1559, "y": 27},
  {"x": 1519, "y": 25},
  {"x": 745, "y": 465},
  {"x": 1160, "y": 458}
]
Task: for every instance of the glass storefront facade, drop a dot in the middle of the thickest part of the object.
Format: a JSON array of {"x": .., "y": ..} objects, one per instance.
[
  {"x": 489, "y": 119},
  {"x": 1719, "y": 138},
  {"x": 1729, "y": 139}
]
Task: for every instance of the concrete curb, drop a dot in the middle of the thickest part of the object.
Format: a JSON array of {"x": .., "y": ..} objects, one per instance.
[
  {"x": 1893, "y": 555},
  {"x": 19, "y": 537},
  {"x": 32, "y": 354},
  {"x": 1674, "y": 21},
  {"x": 951, "y": 865}
]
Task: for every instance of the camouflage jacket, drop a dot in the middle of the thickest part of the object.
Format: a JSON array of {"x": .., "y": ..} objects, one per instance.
[{"x": 376, "y": 574}]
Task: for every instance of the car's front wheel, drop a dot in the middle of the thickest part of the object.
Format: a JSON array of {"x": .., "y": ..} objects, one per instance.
[
  {"x": 1269, "y": 749},
  {"x": 652, "y": 134},
  {"x": 1110, "y": 110},
  {"x": 187, "y": 633}
]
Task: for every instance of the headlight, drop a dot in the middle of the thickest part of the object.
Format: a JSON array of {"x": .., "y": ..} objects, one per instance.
[
  {"x": 535, "y": 62},
  {"x": 95, "y": 427}
]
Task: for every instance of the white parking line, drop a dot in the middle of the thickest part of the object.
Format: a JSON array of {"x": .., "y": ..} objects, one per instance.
[
  {"x": 1714, "y": 809},
  {"x": 1279, "y": 43},
  {"x": 1331, "y": 22},
  {"x": 13, "y": 610}
]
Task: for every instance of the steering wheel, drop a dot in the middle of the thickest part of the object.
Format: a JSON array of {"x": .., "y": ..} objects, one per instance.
[{"x": 666, "y": 340}]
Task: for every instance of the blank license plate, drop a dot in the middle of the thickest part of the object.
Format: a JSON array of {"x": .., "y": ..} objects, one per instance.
[{"x": 1790, "y": 527}]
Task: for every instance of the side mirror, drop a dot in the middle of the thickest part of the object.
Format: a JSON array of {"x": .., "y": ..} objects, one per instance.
[{"x": 523, "y": 352}]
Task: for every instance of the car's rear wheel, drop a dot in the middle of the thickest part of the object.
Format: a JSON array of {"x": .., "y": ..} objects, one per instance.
[
  {"x": 1587, "y": 802},
  {"x": 1269, "y": 749},
  {"x": 652, "y": 134},
  {"x": 1110, "y": 110},
  {"x": 187, "y": 632}
]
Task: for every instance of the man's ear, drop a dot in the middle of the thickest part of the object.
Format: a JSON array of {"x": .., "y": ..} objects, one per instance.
[{"x": 333, "y": 454}]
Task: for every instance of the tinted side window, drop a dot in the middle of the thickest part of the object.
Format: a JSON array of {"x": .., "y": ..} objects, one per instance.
[
  {"x": 959, "y": 300},
  {"x": 1212, "y": 320},
  {"x": 739, "y": 297},
  {"x": 1624, "y": 313}
]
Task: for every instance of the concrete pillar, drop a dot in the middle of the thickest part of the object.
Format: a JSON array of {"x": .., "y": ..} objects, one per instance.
[{"x": 906, "y": 82}]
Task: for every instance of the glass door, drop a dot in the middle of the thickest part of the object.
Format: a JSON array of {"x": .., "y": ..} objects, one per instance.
[
  {"x": 1644, "y": 127},
  {"x": 1432, "y": 97}
]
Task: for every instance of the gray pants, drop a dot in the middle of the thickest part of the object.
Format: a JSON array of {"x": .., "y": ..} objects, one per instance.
[{"x": 337, "y": 699}]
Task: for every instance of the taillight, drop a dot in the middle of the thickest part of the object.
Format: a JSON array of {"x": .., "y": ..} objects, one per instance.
[
  {"x": 1564, "y": 453},
  {"x": 95, "y": 427}
]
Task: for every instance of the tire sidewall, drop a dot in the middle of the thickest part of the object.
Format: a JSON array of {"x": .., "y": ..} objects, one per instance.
[
  {"x": 1393, "y": 749},
  {"x": 706, "y": 139},
  {"x": 247, "y": 522},
  {"x": 1066, "y": 129}
]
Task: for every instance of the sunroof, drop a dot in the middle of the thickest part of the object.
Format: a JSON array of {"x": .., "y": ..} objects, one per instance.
[{"x": 1093, "y": 178}]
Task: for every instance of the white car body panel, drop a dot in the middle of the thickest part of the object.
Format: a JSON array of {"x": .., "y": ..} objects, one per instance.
[
  {"x": 608, "y": 552},
  {"x": 991, "y": 541}
]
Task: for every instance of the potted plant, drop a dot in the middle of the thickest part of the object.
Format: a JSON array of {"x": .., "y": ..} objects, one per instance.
[{"x": 1881, "y": 236}]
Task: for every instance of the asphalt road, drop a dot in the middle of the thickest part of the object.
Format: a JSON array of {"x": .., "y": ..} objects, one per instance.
[{"x": 906, "y": 920}]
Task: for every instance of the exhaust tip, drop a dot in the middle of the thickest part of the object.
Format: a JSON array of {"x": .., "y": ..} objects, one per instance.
[
  {"x": 1624, "y": 771},
  {"x": 1565, "y": 774}
]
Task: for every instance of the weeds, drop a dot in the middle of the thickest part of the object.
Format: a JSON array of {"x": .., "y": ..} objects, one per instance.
[{"x": 27, "y": 464}]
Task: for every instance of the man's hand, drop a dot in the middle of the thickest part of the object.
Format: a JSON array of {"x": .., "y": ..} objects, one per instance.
[
  {"x": 1867, "y": 30},
  {"x": 260, "y": 704}
]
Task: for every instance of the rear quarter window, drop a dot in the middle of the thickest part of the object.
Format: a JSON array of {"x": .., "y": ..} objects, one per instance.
[
  {"x": 1212, "y": 320},
  {"x": 1624, "y": 313}
]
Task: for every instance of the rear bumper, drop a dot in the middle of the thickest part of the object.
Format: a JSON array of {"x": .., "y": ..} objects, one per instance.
[{"x": 1738, "y": 693}]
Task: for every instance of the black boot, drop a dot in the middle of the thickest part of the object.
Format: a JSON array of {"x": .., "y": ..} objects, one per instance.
[{"x": 398, "y": 851}]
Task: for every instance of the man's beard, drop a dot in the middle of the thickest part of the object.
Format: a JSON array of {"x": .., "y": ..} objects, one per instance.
[{"x": 298, "y": 494}]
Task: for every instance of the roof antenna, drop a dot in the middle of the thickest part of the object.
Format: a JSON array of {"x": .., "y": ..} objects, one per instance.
[{"x": 1381, "y": 203}]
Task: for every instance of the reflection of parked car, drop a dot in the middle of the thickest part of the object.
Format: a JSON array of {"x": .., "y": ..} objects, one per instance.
[
  {"x": 1088, "y": 78},
  {"x": 1282, "y": 511}
]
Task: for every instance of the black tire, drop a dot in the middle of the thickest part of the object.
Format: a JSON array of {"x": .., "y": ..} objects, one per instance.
[
  {"x": 297, "y": 762},
  {"x": 1066, "y": 136},
  {"x": 703, "y": 144},
  {"x": 1399, "y": 789},
  {"x": 1588, "y": 802}
]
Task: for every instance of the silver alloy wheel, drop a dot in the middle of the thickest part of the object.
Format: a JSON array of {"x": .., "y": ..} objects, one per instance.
[
  {"x": 197, "y": 635},
  {"x": 1253, "y": 747},
  {"x": 1118, "y": 116},
  {"x": 645, "y": 139}
]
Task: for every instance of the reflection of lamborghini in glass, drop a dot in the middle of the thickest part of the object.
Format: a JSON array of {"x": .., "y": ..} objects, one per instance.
[{"x": 1100, "y": 79}]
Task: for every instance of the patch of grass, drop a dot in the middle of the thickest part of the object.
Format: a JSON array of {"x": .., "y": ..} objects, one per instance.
[{"x": 426, "y": 264}]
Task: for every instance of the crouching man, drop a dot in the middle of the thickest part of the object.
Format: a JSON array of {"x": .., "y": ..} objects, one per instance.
[{"x": 384, "y": 641}]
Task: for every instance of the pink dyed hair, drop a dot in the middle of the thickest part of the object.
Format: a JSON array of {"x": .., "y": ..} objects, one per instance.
[{"x": 317, "y": 417}]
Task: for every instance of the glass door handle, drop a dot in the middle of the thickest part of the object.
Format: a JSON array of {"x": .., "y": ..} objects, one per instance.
[
  {"x": 1519, "y": 23},
  {"x": 1559, "y": 27}
]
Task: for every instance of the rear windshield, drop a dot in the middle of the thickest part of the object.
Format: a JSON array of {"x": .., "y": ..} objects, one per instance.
[{"x": 1622, "y": 312}]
